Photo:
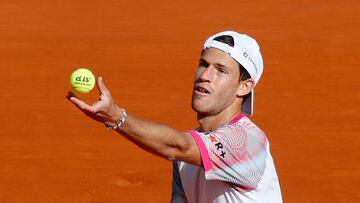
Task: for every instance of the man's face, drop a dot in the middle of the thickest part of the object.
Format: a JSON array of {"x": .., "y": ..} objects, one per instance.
[{"x": 216, "y": 82}]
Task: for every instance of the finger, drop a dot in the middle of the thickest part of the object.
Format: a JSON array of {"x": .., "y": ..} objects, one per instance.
[
  {"x": 86, "y": 108},
  {"x": 101, "y": 86},
  {"x": 70, "y": 94}
]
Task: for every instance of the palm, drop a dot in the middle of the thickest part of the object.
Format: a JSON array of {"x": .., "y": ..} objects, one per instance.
[{"x": 104, "y": 110}]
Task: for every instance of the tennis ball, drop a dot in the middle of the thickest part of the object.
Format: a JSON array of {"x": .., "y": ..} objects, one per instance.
[{"x": 82, "y": 80}]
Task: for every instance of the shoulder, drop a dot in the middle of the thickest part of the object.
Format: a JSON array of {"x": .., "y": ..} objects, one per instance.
[
  {"x": 247, "y": 124},
  {"x": 247, "y": 128}
]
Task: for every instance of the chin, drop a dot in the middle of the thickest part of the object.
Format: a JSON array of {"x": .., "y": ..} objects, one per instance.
[{"x": 198, "y": 107}]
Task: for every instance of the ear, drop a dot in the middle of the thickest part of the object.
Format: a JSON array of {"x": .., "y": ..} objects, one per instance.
[{"x": 245, "y": 87}]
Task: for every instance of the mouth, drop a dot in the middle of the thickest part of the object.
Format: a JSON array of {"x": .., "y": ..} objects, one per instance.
[{"x": 201, "y": 90}]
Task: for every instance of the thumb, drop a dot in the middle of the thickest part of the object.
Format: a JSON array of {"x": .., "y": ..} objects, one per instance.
[{"x": 101, "y": 86}]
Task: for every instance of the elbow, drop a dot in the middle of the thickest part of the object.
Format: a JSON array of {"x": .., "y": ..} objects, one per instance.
[
  {"x": 189, "y": 155},
  {"x": 175, "y": 153},
  {"x": 184, "y": 148},
  {"x": 170, "y": 157},
  {"x": 170, "y": 154}
]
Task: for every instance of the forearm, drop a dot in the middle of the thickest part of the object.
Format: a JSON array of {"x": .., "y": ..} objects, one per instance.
[
  {"x": 159, "y": 139},
  {"x": 155, "y": 138}
]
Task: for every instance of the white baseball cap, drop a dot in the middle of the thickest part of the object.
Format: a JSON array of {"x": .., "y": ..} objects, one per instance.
[{"x": 246, "y": 52}]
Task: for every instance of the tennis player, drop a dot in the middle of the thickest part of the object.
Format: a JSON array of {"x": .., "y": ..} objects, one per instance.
[{"x": 227, "y": 158}]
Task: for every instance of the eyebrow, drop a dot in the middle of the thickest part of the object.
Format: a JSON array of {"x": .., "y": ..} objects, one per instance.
[
  {"x": 201, "y": 60},
  {"x": 222, "y": 65}
]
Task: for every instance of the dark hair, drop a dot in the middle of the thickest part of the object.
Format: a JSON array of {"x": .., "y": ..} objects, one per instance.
[{"x": 229, "y": 40}]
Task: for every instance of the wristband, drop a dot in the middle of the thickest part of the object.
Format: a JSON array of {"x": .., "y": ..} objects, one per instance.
[{"x": 120, "y": 122}]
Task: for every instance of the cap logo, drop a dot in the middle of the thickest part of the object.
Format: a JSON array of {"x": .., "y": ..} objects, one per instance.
[{"x": 247, "y": 56}]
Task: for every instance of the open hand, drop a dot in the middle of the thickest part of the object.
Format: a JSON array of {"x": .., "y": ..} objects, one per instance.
[{"x": 104, "y": 110}]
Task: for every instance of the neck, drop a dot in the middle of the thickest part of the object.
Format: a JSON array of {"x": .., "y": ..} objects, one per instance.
[{"x": 212, "y": 122}]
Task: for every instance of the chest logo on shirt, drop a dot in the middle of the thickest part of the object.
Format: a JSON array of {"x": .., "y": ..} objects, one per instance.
[{"x": 218, "y": 145}]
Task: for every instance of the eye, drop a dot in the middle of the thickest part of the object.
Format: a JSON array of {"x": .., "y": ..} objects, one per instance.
[
  {"x": 203, "y": 64},
  {"x": 222, "y": 70}
]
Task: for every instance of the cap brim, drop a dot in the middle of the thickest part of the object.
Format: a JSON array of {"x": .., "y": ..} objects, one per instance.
[{"x": 248, "y": 104}]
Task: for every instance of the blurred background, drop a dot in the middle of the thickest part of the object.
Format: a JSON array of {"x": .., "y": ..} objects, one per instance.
[{"x": 307, "y": 100}]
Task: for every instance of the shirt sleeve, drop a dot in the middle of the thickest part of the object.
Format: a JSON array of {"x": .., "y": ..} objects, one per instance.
[
  {"x": 233, "y": 154},
  {"x": 178, "y": 194}
]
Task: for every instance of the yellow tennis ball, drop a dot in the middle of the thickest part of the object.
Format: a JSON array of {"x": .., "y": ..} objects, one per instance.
[{"x": 82, "y": 80}]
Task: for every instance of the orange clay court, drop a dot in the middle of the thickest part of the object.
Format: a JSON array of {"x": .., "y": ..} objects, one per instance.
[{"x": 307, "y": 100}]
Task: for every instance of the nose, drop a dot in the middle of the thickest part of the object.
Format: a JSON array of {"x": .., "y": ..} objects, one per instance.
[{"x": 206, "y": 74}]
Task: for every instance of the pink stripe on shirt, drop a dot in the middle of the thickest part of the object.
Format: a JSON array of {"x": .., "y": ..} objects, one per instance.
[
  {"x": 238, "y": 117},
  {"x": 203, "y": 151}
]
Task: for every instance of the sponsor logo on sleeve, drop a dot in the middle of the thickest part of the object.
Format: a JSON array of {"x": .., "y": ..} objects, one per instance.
[{"x": 219, "y": 146}]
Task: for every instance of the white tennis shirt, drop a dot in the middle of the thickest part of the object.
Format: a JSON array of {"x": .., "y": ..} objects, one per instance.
[{"x": 236, "y": 167}]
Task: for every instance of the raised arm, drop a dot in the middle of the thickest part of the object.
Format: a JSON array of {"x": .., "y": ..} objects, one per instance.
[{"x": 155, "y": 138}]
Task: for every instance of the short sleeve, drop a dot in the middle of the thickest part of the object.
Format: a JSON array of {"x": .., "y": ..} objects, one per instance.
[{"x": 233, "y": 154}]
